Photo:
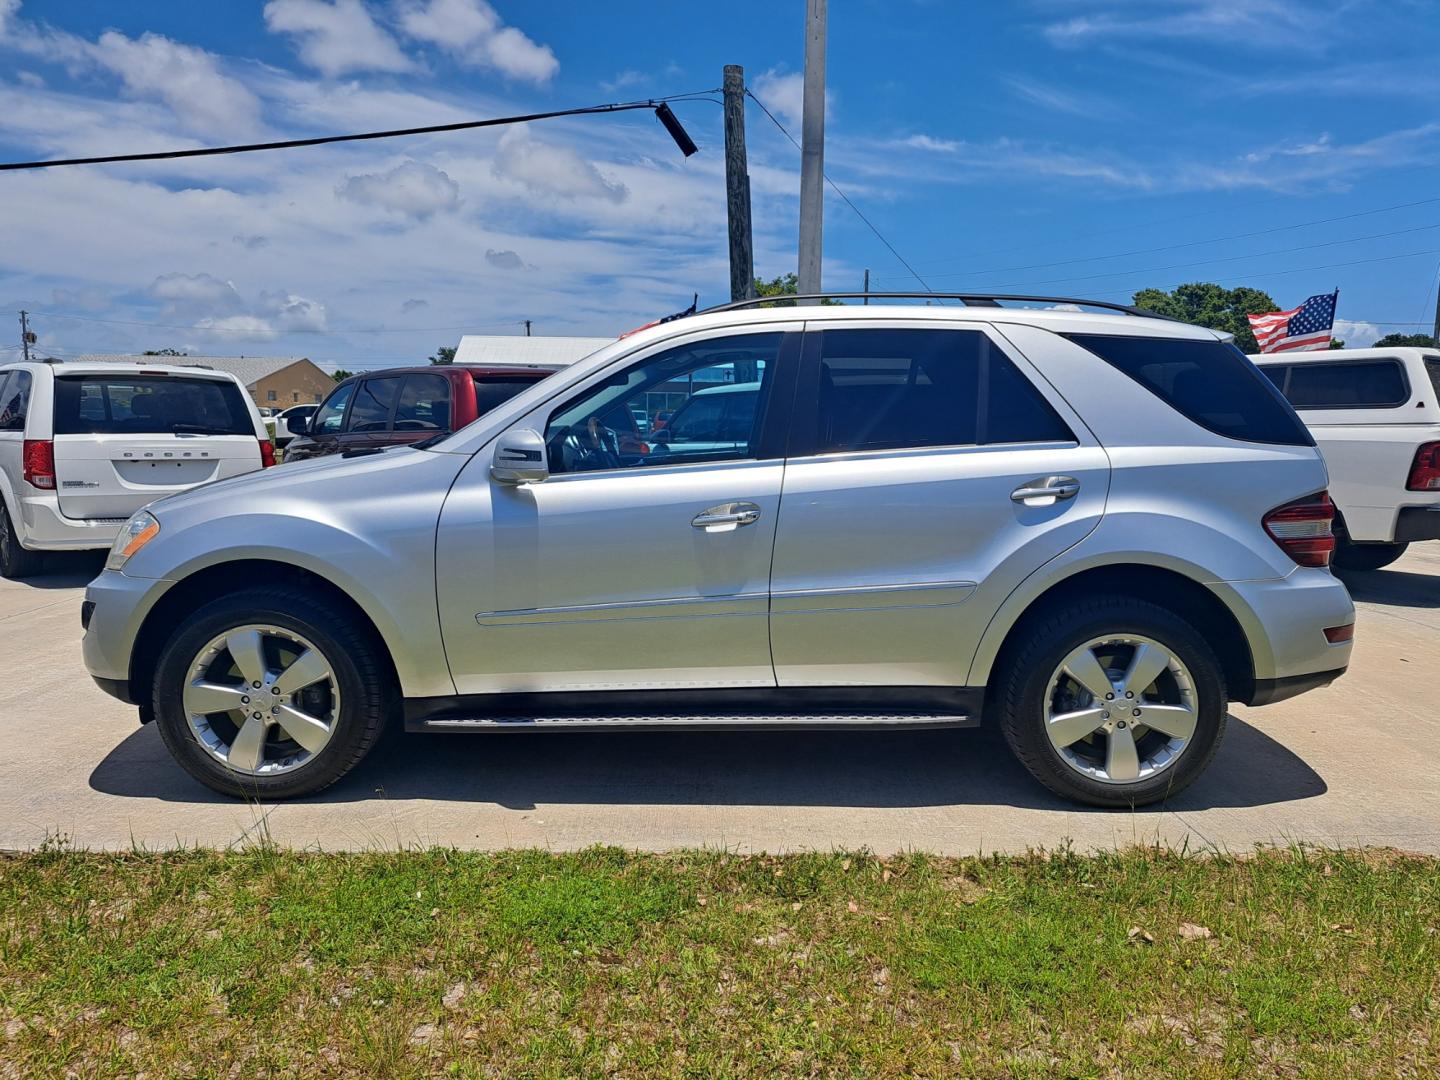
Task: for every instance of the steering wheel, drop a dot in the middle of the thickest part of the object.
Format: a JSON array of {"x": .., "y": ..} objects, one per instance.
[{"x": 592, "y": 445}]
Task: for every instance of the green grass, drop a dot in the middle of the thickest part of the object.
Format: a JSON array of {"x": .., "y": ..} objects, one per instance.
[{"x": 712, "y": 965}]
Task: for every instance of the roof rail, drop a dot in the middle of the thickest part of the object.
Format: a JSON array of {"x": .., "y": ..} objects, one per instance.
[{"x": 968, "y": 299}]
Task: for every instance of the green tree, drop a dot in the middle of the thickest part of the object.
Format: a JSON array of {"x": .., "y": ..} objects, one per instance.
[
  {"x": 1206, "y": 304},
  {"x": 1390, "y": 341},
  {"x": 164, "y": 352},
  {"x": 784, "y": 285},
  {"x": 443, "y": 355},
  {"x": 340, "y": 374}
]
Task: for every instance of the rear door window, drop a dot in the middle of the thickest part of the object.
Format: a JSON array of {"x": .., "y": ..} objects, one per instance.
[
  {"x": 373, "y": 404},
  {"x": 1211, "y": 383},
  {"x": 1432, "y": 365},
  {"x": 424, "y": 404},
  {"x": 910, "y": 388},
  {"x": 149, "y": 405},
  {"x": 1351, "y": 384}
]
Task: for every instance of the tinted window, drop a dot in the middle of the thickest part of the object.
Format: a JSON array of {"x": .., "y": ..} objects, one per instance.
[
  {"x": 1353, "y": 384},
  {"x": 330, "y": 420},
  {"x": 424, "y": 404},
  {"x": 120, "y": 405},
  {"x": 721, "y": 383},
  {"x": 889, "y": 389},
  {"x": 1211, "y": 383},
  {"x": 1432, "y": 365},
  {"x": 371, "y": 409},
  {"x": 14, "y": 400},
  {"x": 490, "y": 394}
]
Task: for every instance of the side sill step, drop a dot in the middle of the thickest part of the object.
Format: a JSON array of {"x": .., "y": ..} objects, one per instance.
[{"x": 698, "y": 722}]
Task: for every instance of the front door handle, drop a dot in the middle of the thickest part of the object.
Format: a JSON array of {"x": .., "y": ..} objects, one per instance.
[
  {"x": 727, "y": 517},
  {"x": 1046, "y": 490}
]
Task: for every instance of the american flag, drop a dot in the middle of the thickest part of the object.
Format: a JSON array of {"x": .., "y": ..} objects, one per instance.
[{"x": 1305, "y": 327}]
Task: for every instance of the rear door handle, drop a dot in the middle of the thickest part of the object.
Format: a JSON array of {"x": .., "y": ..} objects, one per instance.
[
  {"x": 727, "y": 517},
  {"x": 1046, "y": 490}
]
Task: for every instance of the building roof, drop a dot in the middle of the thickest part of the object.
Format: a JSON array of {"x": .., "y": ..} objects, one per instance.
[
  {"x": 248, "y": 369},
  {"x": 517, "y": 349}
]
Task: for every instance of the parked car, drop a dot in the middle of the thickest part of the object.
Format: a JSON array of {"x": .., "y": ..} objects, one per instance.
[
  {"x": 83, "y": 446},
  {"x": 402, "y": 406},
  {"x": 291, "y": 423},
  {"x": 1094, "y": 529},
  {"x": 1375, "y": 414}
]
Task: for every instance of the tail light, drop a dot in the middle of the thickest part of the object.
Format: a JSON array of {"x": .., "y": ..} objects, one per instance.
[
  {"x": 1425, "y": 470},
  {"x": 267, "y": 453},
  {"x": 39, "y": 463},
  {"x": 1302, "y": 529}
]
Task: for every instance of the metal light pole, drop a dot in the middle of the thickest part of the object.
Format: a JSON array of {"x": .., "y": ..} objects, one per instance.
[{"x": 812, "y": 149}]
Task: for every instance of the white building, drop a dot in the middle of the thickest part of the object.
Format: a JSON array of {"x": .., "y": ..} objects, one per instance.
[{"x": 491, "y": 349}]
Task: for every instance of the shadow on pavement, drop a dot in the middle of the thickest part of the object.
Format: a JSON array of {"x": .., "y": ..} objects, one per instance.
[
  {"x": 66, "y": 570},
  {"x": 1401, "y": 588},
  {"x": 859, "y": 769}
]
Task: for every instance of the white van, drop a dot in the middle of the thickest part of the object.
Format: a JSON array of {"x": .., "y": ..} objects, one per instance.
[
  {"x": 84, "y": 446},
  {"x": 1375, "y": 414}
]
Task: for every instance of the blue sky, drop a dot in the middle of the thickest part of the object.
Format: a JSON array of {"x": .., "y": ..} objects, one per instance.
[{"x": 1084, "y": 149}]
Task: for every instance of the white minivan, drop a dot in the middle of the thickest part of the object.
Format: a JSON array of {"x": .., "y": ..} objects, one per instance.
[
  {"x": 1375, "y": 414},
  {"x": 84, "y": 446}
]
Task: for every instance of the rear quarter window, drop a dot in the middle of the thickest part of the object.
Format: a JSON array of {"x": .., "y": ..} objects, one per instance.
[
  {"x": 490, "y": 393},
  {"x": 1211, "y": 383},
  {"x": 149, "y": 405}
]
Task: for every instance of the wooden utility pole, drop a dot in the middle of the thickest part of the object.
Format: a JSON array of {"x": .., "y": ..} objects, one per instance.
[
  {"x": 527, "y": 327},
  {"x": 866, "y": 301},
  {"x": 812, "y": 148},
  {"x": 26, "y": 337},
  {"x": 737, "y": 187},
  {"x": 1436, "y": 333}
]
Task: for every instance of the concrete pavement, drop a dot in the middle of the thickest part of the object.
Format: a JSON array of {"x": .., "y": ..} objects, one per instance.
[{"x": 1354, "y": 764}]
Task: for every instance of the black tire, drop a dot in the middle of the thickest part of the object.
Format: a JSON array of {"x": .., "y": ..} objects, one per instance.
[
  {"x": 1023, "y": 679},
  {"x": 16, "y": 562},
  {"x": 1352, "y": 556},
  {"x": 368, "y": 696}
]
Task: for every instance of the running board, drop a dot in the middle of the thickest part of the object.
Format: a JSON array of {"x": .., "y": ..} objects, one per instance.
[{"x": 698, "y": 722}]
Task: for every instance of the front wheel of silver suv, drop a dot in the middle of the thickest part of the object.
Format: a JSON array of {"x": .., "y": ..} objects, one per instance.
[
  {"x": 1114, "y": 703},
  {"x": 271, "y": 693}
]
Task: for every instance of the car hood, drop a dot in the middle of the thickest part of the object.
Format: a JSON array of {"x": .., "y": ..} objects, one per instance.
[{"x": 318, "y": 481}]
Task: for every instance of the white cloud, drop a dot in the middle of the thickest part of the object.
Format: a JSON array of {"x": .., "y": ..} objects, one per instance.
[
  {"x": 336, "y": 36},
  {"x": 413, "y": 304},
  {"x": 29, "y": 78},
  {"x": 623, "y": 80},
  {"x": 414, "y": 189},
  {"x": 1356, "y": 335},
  {"x": 1256, "y": 23},
  {"x": 472, "y": 31},
  {"x": 7, "y": 9},
  {"x": 784, "y": 94},
  {"x": 551, "y": 169},
  {"x": 251, "y": 243},
  {"x": 239, "y": 328},
  {"x": 191, "y": 294},
  {"x": 295, "y": 314}
]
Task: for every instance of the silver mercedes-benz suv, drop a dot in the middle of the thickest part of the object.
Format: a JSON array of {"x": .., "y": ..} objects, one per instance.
[{"x": 1093, "y": 528}]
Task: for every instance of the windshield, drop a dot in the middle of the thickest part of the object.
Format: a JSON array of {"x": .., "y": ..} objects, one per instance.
[{"x": 149, "y": 405}]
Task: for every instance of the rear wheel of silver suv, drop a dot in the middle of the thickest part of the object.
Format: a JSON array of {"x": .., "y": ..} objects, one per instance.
[
  {"x": 1113, "y": 702},
  {"x": 271, "y": 693}
]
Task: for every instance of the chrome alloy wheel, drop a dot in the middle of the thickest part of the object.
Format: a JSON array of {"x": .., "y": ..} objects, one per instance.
[
  {"x": 261, "y": 700},
  {"x": 1120, "y": 709}
]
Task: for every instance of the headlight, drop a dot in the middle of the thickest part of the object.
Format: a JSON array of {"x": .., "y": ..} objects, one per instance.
[{"x": 138, "y": 531}]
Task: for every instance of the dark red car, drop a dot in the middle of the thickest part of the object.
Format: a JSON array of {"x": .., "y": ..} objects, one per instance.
[{"x": 399, "y": 406}]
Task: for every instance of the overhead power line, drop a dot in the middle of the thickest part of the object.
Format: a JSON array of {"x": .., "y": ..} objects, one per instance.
[
  {"x": 836, "y": 188},
  {"x": 658, "y": 105},
  {"x": 469, "y": 329}
]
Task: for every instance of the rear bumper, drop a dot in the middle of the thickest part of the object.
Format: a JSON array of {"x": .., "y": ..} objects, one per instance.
[
  {"x": 1285, "y": 620},
  {"x": 1417, "y": 523},
  {"x": 1269, "y": 691},
  {"x": 44, "y": 528}
]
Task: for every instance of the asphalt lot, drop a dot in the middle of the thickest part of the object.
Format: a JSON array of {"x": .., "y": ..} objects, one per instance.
[{"x": 1354, "y": 764}]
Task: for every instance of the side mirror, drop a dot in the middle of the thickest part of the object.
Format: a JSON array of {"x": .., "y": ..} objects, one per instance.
[{"x": 520, "y": 458}]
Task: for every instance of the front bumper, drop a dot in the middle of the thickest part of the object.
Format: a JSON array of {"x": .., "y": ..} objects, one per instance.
[
  {"x": 117, "y": 605},
  {"x": 47, "y": 529}
]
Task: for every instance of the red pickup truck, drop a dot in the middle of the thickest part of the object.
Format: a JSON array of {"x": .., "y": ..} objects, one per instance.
[{"x": 398, "y": 406}]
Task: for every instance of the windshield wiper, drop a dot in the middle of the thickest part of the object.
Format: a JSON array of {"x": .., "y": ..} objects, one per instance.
[{"x": 199, "y": 429}]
